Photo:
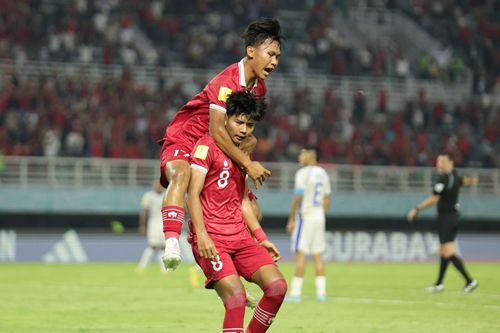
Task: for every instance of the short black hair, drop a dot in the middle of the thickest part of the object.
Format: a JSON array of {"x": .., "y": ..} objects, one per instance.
[
  {"x": 260, "y": 30},
  {"x": 245, "y": 102}
]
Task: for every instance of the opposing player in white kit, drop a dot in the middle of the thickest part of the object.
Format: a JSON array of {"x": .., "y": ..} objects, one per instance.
[
  {"x": 150, "y": 223},
  {"x": 306, "y": 222}
]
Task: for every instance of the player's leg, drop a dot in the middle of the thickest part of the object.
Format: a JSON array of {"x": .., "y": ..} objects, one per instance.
[
  {"x": 146, "y": 256},
  {"x": 470, "y": 284},
  {"x": 178, "y": 173},
  {"x": 222, "y": 275},
  {"x": 301, "y": 240},
  {"x": 319, "y": 268},
  {"x": 298, "y": 277},
  {"x": 274, "y": 286},
  {"x": 232, "y": 293},
  {"x": 318, "y": 247},
  {"x": 444, "y": 239}
]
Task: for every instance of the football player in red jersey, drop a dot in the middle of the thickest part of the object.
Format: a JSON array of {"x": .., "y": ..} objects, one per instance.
[
  {"x": 222, "y": 223},
  {"x": 205, "y": 113}
]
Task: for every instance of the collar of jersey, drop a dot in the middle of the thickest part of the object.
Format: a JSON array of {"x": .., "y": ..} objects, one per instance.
[{"x": 241, "y": 68}]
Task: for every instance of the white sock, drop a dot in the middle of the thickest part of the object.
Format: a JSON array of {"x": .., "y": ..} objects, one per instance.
[
  {"x": 320, "y": 285},
  {"x": 146, "y": 257},
  {"x": 296, "y": 286}
]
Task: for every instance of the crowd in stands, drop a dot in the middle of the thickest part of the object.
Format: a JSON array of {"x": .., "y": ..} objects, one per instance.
[
  {"x": 206, "y": 32},
  {"x": 68, "y": 116}
]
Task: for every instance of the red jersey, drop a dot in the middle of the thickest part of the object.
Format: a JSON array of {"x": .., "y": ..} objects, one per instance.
[
  {"x": 192, "y": 120},
  {"x": 222, "y": 194}
]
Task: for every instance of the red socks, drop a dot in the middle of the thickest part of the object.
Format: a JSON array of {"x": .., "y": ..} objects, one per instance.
[
  {"x": 173, "y": 218},
  {"x": 266, "y": 310},
  {"x": 235, "y": 312}
]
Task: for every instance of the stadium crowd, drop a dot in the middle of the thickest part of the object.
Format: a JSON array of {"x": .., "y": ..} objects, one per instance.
[
  {"x": 68, "y": 116},
  {"x": 116, "y": 117},
  {"x": 205, "y": 32}
]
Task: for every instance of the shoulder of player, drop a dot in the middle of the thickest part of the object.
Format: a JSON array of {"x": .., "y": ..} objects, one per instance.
[{"x": 228, "y": 77}]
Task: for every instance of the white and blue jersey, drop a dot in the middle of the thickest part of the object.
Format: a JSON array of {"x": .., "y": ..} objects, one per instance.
[{"x": 313, "y": 184}]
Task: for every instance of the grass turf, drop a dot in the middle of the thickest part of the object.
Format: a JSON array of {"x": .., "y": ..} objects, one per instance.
[{"x": 112, "y": 297}]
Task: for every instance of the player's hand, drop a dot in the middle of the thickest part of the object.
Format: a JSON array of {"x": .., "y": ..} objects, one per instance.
[
  {"x": 206, "y": 246},
  {"x": 257, "y": 172},
  {"x": 290, "y": 225},
  {"x": 412, "y": 214},
  {"x": 272, "y": 249},
  {"x": 248, "y": 145},
  {"x": 142, "y": 229}
]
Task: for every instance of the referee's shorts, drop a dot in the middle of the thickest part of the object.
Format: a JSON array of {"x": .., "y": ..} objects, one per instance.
[{"x": 447, "y": 227}]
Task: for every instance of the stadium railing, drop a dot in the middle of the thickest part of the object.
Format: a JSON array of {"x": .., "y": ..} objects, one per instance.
[
  {"x": 95, "y": 172},
  {"x": 399, "y": 90}
]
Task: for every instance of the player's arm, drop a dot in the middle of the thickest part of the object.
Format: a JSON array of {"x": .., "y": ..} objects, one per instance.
[
  {"x": 143, "y": 217},
  {"x": 253, "y": 224},
  {"x": 326, "y": 203},
  {"x": 297, "y": 199},
  {"x": 430, "y": 201},
  {"x": 206, "y": 246},
  {"x": 218, "y": 131},
  {"x": 469, "y": 180}
]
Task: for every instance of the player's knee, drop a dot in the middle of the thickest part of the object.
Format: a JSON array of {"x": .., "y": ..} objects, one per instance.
[
  {"x": 277, "y": 288},
  {"x": 180, "y": 177},
  {"x": 236, "y": 300}
]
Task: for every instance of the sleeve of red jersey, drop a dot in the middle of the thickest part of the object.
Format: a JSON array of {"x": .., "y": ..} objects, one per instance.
[
  {"x": 201, "y": 157},
  {"x": 218, "y": 91}
]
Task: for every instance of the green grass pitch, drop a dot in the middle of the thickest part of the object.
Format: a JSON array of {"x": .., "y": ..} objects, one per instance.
[{"x": 112, "y": 297}]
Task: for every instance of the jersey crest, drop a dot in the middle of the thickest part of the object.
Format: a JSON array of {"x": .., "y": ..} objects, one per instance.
[
  {"x": 201, "y": 152},
  {"x": 224, "y": 93}
]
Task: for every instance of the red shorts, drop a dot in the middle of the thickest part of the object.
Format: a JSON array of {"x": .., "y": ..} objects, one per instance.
[
  {"x": 171, "y": 152},
  {"x": 241, "y": 257}
]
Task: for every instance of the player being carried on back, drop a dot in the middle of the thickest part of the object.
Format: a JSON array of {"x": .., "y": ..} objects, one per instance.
[
  {"x": 223, "y": 222},
  {"x": 205, "y": 113}
]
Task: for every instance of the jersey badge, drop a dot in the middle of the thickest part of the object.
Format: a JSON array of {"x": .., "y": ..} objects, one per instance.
[
  {"x": 439, "y": 187},
  {"x": 201, "y": 152},
  {"x": 224, "y": 93}
]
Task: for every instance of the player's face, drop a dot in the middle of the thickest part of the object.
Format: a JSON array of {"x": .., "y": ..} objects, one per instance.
[
  {"x": 444, "y": 164},
  {"x": 304, "y": 157},
  {"x": 265, "y": 58},
  {"x": 240, "y": 127}
]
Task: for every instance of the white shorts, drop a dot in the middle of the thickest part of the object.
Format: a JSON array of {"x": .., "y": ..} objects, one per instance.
[
  {"x": 156, "y": 238},
  {"x": 309, "y": 234}
]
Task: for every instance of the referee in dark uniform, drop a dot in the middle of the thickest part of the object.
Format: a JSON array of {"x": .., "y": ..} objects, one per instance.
[{"x": 445, "y": 195}]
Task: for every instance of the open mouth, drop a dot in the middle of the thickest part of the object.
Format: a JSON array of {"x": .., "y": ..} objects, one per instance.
[{"x": 268, "y": 70}]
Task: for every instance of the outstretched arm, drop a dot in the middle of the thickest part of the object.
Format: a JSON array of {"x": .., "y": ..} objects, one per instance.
[
  {"x": 430, "y": 201},
  {"x": 469, "y": 180}
]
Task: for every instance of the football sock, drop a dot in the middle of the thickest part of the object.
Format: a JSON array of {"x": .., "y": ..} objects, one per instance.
[
  {"x": 460, "y": 267},
  {"x": 235, "y": 313},
  {"x": 266, "y": 310},
  {"x": 442, "y": 269},
  {"x": 320, "y": 286},
  {"x": 146, "y": 257},
  {"x": 173, "y": 218},
  {"x": 296, "y": 286}
]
